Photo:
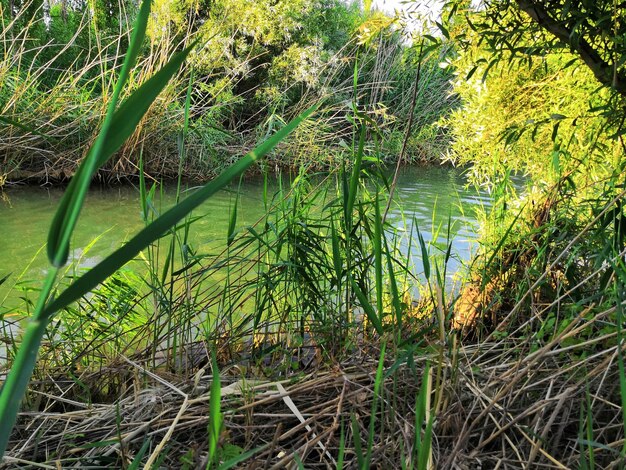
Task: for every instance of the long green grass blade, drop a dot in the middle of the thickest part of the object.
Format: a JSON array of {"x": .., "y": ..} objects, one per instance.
[
  {"x": 14, "y": 386},
  {"x": 378, "y": 256},
  {"x": 232, "y": 223},
  {"x": 116, "y": 128},
  {"x": 159, "y": 226},
  {"x": 393, "y": 287},
  {"x": 215, "y": 412},
  {"x": 423, "y": 444},
  {"x": 378, "y": 381},
  {"x": 356, "y": 438},
  {"x": 367, "y": 306},
  {"x": 425, "y": 257},
  {"x": 356, "y": 171},
  {"x": 420, "y": 411},
  {"x": 136, "y": 463},
  {"x": 17, "y": 380},
  {"x": 581, "y": 441},
  {"x": 337, "y": 260},
  {"x": 143, "y": 193},
  {"x": 342, "y": 448}
]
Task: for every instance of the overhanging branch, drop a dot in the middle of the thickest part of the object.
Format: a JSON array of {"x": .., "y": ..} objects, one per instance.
[{"x": 603, "y": 71}]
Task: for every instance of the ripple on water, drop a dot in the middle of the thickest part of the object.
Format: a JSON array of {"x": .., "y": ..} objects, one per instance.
[{"x": 426, "y": 198}]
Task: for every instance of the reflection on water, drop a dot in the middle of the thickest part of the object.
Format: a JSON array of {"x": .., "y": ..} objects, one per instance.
[
  {"x": 433, "y": 200},
  {"x": 426, "y": 198}
]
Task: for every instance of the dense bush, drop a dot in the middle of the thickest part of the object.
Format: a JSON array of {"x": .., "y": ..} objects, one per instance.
[{"x": 257, "y": 64}]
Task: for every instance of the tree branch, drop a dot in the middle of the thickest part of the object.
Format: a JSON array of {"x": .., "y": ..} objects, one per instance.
[{"x": 603, "y": 71}]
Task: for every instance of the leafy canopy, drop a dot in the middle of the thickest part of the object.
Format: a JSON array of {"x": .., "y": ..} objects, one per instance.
[{"x": 592, "y": 30}]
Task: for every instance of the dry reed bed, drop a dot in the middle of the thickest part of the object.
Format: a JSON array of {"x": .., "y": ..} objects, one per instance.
[{"x": 500, "y": 407}]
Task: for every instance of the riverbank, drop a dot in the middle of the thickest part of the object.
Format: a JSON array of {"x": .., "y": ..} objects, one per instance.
[
  {"x": 129, "y": 373},
  {"x": 494, "y": 401},
  {"x": 274, "y": 165}
]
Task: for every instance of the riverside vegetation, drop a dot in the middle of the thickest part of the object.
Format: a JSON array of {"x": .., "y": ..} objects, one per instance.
[{"x": 309, "y": 340}]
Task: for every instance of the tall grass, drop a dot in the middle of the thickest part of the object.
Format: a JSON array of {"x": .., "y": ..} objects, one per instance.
[
  {"x": 118, "y": 124},
  {"x": 293, "y": 284},
  {"x": 48, "y": 118},
  {"x": 50, "y": 110}
]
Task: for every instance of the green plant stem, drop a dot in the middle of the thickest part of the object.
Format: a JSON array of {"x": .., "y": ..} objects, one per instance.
[
  {"x": 17, "y": 380},
  {"x": 407, "y": 133}
]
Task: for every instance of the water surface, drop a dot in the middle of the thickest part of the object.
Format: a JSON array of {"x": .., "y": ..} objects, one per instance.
[{"x": 426, "y": 197}]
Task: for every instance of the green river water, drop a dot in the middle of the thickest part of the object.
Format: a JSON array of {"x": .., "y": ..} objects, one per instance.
[{"x": 425, "y": 195}]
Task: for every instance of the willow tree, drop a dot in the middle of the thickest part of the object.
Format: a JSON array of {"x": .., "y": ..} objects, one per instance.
[
  {"x": 563, "y": 58},
  {"x": 542, "y": 85},
  {"x": 593, "y": 30}
]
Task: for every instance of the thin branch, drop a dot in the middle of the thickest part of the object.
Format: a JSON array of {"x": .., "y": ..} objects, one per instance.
[{"x": 603, "y": 71}]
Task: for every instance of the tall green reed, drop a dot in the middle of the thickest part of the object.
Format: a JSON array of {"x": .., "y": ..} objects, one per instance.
[
  {"x": 118, "y": 124},
  {"x": 215, "y": 415},
  {"x": 424, "y": 421}
]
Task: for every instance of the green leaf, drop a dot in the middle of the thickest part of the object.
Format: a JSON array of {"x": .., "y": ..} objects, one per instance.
[
  {"x": 379, "y": 234},
  {"x": 215, "y": 412},
  {"x": 443, "y": 30},
  {"x": 378, "y": 382},
  {"x": 337, "y": 260},
  {"x": 233, "y": 218},
  {"x": 342, "y": 448},
  {"x": 367, "y": 307},
  {"x": 69, "y": 208},
  {"x": 471, "y": 72},
  {"x": 134, "y": 465},
  {"x": 393, "y": 287},
  {"x": 16, "y": 382},
  {"x": 425, "y": 257},
  {"x": 556, "y": 161},
  {"x": 555, "y": 131},
  {"x": 423, "y": 445},
  {"x": 356, "y": 438},
  {"x": 159, "y": 226},
  {"x": 356, "y": 171}
]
